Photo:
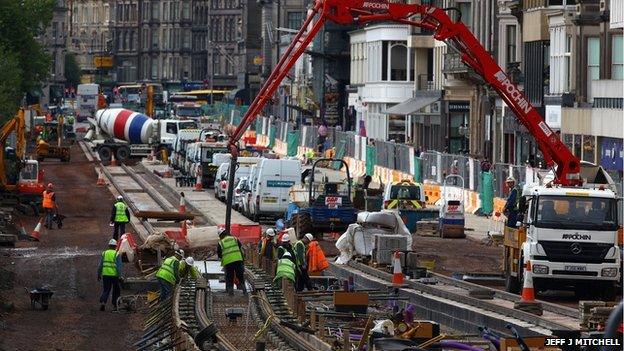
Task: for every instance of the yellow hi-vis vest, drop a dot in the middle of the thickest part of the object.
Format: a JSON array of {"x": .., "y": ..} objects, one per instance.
[
  {"x": 120, "y": 212},
  {"x": 285, "y": 269},
  {"x": 230, "y": 252},
  {"x": 166, "y": 271},
  {"x": 395, "y": 203},
  {"x": 109, "y": 264}
]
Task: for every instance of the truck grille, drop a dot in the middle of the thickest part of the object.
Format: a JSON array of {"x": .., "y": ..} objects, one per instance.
[{"x": 562, "y": 251}]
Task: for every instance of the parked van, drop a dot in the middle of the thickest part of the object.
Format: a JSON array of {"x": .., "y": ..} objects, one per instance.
[
  {"x": 251, "y": 181},
  {"x": 270, "y": 194},
  {"x": 243, "y": 170}
]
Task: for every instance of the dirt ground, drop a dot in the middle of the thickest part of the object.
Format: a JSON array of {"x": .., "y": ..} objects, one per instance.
[
  {"x": 459, "y": 255},
  {"x": 66, "y": 261}
]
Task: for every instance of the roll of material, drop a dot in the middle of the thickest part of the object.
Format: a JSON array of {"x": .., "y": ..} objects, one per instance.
[{"x": 133, "y": 127}]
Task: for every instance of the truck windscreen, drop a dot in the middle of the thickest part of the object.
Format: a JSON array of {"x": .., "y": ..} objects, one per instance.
[
  {"x": 576, "y": 212},
  {"x": 188, "y": 125},
  {"x": 189, "y": 112}
]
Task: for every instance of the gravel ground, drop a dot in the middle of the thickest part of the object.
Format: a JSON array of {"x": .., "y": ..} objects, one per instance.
[{"x": 65, "y": 260}]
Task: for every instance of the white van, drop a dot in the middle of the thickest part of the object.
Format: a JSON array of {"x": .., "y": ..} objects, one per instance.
[
  {"x": 251, "y": 184},
  {"x": 270, "y": 191},
  {"x": 221, "y": 179}
]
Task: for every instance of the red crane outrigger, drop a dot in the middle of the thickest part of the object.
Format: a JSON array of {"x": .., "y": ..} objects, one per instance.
[{"x": 455, "y": 34}]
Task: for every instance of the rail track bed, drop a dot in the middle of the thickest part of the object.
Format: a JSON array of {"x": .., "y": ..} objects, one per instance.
[{"x": 451, "y": 303}]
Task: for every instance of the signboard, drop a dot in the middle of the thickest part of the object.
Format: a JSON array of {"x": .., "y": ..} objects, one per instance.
[
  {"x": 611, "y": 154},
  {"x": 333, "y": 201},
  {"x": 103, "y": 61},
  {"x": 257, "y": 60},
  {"x": 458, "y": 106},
  {"x": 280, "y": 183},
  {"x": 553, "y": 116}
]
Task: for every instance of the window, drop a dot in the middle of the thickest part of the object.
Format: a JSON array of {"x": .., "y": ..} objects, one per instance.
[
  {"x": 511, "y": 43},
  {"x": 186, "y": 11},
  {"x": 617, "y": 57},
  {"x": 559, "y": 81},
  {"x": 294, "y": 20},
  {"x": 54, "y": 30},
  {"x": 466, "y": 14},
  {"x": 187, "y": 41},
  {"x": 172, "y": 128},
  {"x": 155, "y": 39},
  {"x": 398, "y": 62},
  {"x": 155, "y": 11},
  {"x": 166, "y": 11},
  {"x": 126, "y": 12},
  {"x": 154, "y": 68},
  {"x": 593, "y": 59}
]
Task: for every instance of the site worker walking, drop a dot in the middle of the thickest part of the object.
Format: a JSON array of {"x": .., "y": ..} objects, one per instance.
[
  {"x": 268, "y": 248},
  {"x": 109, "y": 272},
  {"x": 230, "y": 252},
  {"x": 168, "y": 274},
  {"x": 511, "y": 206},
  {"x": 300, "y": 249},
  {"x": 49, "y": 205},
  {"x": 188, "y": 270},
  {"x": 285, "y": 270},
  {"x": 120, "y": 215}
]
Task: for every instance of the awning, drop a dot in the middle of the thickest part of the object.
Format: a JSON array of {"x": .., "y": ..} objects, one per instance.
[{"x": 410, "y": 106}]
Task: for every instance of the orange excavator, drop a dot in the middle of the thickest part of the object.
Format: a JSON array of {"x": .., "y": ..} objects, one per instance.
[{"x": 21, "y": 180}]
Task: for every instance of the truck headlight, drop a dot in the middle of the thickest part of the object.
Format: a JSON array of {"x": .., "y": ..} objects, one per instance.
[
  {"x": 609, "y": 272},
  {"x": 540, "y": 269}
]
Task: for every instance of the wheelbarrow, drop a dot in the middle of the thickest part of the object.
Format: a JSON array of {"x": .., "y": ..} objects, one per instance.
[{"x": 40, "y": 296}]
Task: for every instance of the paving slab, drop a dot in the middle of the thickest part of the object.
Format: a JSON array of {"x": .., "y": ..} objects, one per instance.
[
  {"x": 127, "y": 183},
  {"x": 202, "y": 201}
]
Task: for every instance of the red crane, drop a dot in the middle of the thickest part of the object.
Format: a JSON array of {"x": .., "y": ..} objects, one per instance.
[{"x": 457, "y": 37}]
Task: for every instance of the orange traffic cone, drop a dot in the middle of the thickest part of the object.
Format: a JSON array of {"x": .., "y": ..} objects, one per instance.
[
  {"x": 100, "y": 181},
  {"x": 113, "y": 160},
  {"x": 397, "y": 276},
  {"x": 528, "y": 293},
  {"x": 182, "y": 203},
  {"x": 198, "y": 182},
  {"x": 36, "y": 234},
  {"x": 151, "y": 156}
]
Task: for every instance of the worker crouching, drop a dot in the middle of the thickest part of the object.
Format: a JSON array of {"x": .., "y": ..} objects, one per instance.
[
  {"x": 168, "y": 274},
  {"x": 230, "y": 252},
  {"x": 285, "y": 271}
]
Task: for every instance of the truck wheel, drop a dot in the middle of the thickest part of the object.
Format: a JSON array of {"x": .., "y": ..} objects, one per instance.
[
  {"x": 512, "y": 284},
  {"x": 105, "y": 153},
  {"x": 122, "y": 154},
  {"x": 610, "y": 291}
]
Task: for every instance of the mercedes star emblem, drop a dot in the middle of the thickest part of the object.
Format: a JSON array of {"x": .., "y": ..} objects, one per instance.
[{"x": 576, "y": 248}]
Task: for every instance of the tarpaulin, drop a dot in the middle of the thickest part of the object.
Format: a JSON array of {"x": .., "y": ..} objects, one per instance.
[
  {"x": 340, "y": 153},
  {"x": 371, "y": 160},
  {"x": 272, "y": 133},
  {"x": 292, "y": 143},
  {"x": 418, "y": 169},
  {"x": 487, "y": 192}
]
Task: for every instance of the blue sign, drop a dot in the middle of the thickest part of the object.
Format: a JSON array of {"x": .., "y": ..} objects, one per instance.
[
  {"x": 611, "y": 154},
  {"x": 280, "y": 183}
]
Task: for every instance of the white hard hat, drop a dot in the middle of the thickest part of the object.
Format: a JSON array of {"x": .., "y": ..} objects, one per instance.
[
  {"x": 179, "y": 253},
  {"x": 220, "y": 231},
  {"x": 270, "y": 232},
  {"x": 119, "y": 197},
  {"x": 286, "y": 254},
  {"x": 309, "y": 236},
  {"x": 189, "y": 260},
  {"x": 510, "y": 179},
  {"x": 285, "y": 238},
  {"x": 112, "y": 242}
]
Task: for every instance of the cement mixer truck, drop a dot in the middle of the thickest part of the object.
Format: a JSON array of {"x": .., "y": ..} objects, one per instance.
[{"x": 125, "y": 134}]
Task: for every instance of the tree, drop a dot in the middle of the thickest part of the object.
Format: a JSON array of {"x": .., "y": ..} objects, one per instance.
[
  {"x": 72, "y": 70},
  {"x": 21, "y": 22}
]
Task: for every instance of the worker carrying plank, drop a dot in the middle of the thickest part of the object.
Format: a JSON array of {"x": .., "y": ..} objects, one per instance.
[
  {"x": 230, "y": 252},
  {"x": 120, "y": 215},
  {"x": 109, "y": 272}
]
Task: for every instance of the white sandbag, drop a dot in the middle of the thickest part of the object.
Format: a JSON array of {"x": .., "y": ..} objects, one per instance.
[
  {"x": 385, "y": 327},
  {"x": 207, "y": 237},
  {"x": 127, "y": 246}
]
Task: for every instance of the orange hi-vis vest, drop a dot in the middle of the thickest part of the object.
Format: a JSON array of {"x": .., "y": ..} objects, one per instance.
[
  {"x": 316, "y": 258},
  {"x": 47, "y": 199}
]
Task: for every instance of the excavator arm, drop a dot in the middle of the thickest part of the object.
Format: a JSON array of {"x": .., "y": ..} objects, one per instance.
[
  {"x": 15, "y": 124},
  {"x": 454, "y": 33}
]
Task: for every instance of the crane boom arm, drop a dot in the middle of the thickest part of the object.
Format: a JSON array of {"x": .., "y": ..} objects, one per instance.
[{"x": 454, "y": 33}]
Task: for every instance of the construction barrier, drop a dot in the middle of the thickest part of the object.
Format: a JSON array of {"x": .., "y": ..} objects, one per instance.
[
  {"x": 246, "y": 233},
  {"x": 499, "y": 206}
]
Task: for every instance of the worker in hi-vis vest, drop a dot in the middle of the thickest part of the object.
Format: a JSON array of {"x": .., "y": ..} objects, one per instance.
[
  {"x": 285, "y": 270},
  {"x": 168, "y": 274},
  {"x": 49, "y": 205},
  {"x": 109, "y": 272},
  {"x": 119, "y": 217},
  {"x": 230, "y": 252}
]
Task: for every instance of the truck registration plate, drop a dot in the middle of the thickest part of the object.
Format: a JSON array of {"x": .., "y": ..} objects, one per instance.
[
  {"x": 269, "y": 199},
  {"x": 575, "y": 268}
]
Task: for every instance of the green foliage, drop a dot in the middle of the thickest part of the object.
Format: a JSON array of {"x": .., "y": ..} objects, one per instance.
[
  {"x": 23, "y": 62},
  {"x": 72, "y": 70}
]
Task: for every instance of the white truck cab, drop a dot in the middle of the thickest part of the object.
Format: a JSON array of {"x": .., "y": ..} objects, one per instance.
[{"x": 570, "y": 236}]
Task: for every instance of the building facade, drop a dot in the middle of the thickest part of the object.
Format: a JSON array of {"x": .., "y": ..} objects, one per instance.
[{"x": 54, "y": 40}]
